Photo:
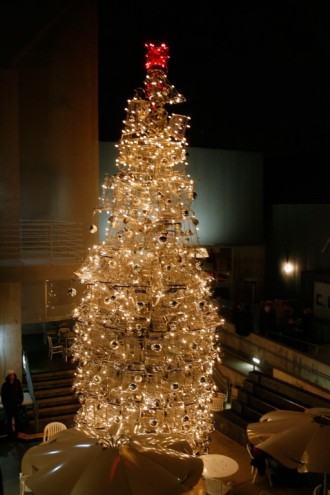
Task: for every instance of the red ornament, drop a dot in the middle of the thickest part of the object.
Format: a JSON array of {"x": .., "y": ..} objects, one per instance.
[{"x": 156, "y": 56}]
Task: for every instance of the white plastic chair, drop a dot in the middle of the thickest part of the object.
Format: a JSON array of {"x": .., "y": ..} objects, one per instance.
[
  {"x": 215, "y": 486},
  {"x": 54, "y": 349},
  {"x": 24, "y": 475},
  {"x": 52, "y": 429},
  {"x": 23, "y": 488}
]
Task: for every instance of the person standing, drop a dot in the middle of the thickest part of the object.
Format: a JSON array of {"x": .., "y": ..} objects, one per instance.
[
  {"x": 306, "y": 328},
  {"x": 244, "y": 324},
  {"x": 234, "y": 313},
  {"x": 12, "y": 398},
  {"x": 267, "y": 323}
]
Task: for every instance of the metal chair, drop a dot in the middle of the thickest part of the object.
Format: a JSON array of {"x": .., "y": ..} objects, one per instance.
[
  {"x": 54, "y": 348},
  {"x": 319, "y": 490},
  {"x": 68, "y": 351},
  {"x": 62, "y": 332},
  {"x": 254, "y": 469},
  {"x": 47, "y": 330},
  {"x": 66, "y": 338},
  {"x": 52, "y": 429}
]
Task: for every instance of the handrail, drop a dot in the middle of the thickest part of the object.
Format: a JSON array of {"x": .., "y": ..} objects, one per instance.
[
  {"x": 320, "y": 352},
  {"x": 222, "y": 381},
  {"x": 26, "y": 367},
  {"x": 317, "y": 376},
  {"x": 299, "y": 344}
]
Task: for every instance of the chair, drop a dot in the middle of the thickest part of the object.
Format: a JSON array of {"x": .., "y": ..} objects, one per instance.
[
  {"x": 48, "y": 330},
  {"x": 54, "y": 349},
  {"x": 319, "y": 489},
  {"x": 63, "y": 331},
  {"x": 68, "y": 352},
  {"x": 66, "y": 337},
  {"x": 254, "y": 469},
  {"x": 23, "y": 488},
  {"x": 217, "y": 402},
  {"x": 215, "y": 486},
  {"x": 24, "y": 475},
  {"x": 52, "y": 429}
]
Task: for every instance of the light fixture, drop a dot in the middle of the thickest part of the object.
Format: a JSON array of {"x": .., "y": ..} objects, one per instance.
[
  {"x": 288, "y": 267},
  {"x": 256, "y": 362}
]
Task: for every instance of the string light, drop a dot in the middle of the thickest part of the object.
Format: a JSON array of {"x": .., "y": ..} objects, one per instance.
[
  {"x": 146, "y": 339},
  {"x": 51, "y": 295}
]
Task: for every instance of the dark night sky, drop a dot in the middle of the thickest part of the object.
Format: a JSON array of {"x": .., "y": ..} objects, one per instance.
[{"x": 254, "y": 74}]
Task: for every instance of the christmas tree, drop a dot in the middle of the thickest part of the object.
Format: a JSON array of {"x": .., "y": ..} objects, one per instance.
[{"x": 146, "y": 340}]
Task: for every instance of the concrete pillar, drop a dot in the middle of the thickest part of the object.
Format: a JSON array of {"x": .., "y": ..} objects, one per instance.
[{"x": 10, "y": 329}]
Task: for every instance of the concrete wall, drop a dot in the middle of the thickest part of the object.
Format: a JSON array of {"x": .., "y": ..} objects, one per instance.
[
  {"x": 229, "y": 186},
  {"x": 9, "y": 147},
  {"x": 10, "y": 329},
  {"x": 48, "y": 153},
  {"x": 275, "y": 356},
  {"x": 297, "y": 233}
]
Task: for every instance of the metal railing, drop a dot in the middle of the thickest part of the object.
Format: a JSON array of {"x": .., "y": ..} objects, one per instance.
[
  {"x": 318, "y": 350},
  {"x": 26, "y": 368},
  {"x": 42, "y": 242}
]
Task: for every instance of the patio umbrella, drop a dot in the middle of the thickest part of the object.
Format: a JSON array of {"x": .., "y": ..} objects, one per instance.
[
  {"x": 76, "y": 465},
  {"x": 165, "y": 440},
  {"x": 280, "y": 420},
  {"x": 284, "y": 414},
  {"x": 305, "y": 446},
  {"x": 262, "y": 430}
]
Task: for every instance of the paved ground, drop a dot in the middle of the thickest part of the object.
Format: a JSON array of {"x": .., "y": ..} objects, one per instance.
[
  {"x": 241, "y": 481},
  {"x": 12, "y": 452}
]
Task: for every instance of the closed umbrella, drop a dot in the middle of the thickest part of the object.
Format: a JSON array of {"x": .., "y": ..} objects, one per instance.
[
  {"x": 304, "y": 446},
  {"x": 77, "y": 465}
]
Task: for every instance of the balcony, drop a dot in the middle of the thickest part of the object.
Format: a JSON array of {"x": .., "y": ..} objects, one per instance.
[{"x": 41, "y": 243}]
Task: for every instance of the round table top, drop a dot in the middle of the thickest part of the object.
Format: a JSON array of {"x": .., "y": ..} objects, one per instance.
[{"x": 218, "y": 466}]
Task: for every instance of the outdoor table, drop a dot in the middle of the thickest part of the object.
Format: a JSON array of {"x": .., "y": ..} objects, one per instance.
[{"x": 218, "y": 466}]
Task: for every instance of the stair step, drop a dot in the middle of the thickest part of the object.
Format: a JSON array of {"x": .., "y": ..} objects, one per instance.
[
  {"x": 297, "y": 395},
  {"x": 50, "y": 375},
  {"x": 56, "y": 411},
  {"x": 259, "y": 394},
  {"x": 49, "y": 384},
  {"x": 57, "y": 401},
  {"x": 53, "y": 392},
  {"x": 232, "y": 425}
]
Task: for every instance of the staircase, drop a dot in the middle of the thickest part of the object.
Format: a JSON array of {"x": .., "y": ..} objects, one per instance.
[
  {"x": 261, "y": 393},
  {"x": 55, "y": 399}
]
